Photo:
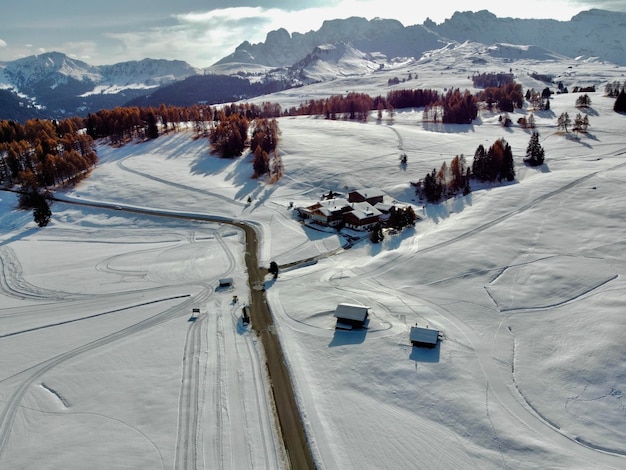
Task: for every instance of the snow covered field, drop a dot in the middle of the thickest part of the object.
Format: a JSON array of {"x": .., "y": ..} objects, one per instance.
[{"x": 100, "y": 366}]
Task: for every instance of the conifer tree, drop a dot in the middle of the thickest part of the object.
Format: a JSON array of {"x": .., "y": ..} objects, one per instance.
[
  {"x": 41, "y": 210},
  {"x": 534, "y": 152},
  {"x": 620, "y": 102}
]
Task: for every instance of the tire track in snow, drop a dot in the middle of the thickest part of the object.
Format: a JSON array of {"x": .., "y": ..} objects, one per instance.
[
  {"x": 515, "y": 404},
  {"x": 188, "y": 404},
  {"x": 32, "y": 374},
  {"x": 13, "y": 284}
]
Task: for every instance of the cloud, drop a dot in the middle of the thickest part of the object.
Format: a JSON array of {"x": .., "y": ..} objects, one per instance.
[
  {"x": 3, "y": 43},
  {"x": 205, "y": 37}
]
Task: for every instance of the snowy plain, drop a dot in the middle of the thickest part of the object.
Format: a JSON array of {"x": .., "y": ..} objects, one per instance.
[{"x": 100, "y": 366}]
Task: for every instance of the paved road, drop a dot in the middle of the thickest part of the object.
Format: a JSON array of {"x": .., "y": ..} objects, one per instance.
[
  {"x": 291, "y": 425},
  {"x": 289, "y": 418}
]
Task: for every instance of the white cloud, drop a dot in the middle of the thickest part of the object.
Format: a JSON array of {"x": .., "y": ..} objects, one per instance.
[{"x": 3, "y": 43}]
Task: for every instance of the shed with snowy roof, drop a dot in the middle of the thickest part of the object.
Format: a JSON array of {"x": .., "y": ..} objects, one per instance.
[
  {"x": 424, "y": 337},
  {"x": 351, "y": 316}
]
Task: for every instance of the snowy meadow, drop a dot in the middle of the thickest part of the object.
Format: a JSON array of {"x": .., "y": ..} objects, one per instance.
[{"x": 100, "y": 366}]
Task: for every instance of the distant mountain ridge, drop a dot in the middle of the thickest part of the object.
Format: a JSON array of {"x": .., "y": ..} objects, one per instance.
[
  {"x": 593, "y": 33},
  {"x": 55, "y": 85}
]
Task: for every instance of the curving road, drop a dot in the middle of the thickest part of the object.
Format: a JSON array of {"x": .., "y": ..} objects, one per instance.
[{"x": 291, "y": 426}]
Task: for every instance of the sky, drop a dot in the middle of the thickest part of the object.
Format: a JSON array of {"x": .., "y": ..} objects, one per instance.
[{"x": 202, "y": 32}]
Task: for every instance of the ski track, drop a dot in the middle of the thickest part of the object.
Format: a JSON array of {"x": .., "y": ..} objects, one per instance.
[
  {"x": 29, "y": 376},
  {"x": 514, "y": 403},
  {"x": 13, "y": 284}
]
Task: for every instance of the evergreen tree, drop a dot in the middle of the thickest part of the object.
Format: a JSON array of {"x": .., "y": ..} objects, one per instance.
[
  {"x": 41, "y": 210},
  {"x": 620, "y": 102},
  {"x": 273, "y": 269},
  {"x": 479, "y": 165},
  {"x": 508, "y": 167},
  {"x": 534, "y": 152}
]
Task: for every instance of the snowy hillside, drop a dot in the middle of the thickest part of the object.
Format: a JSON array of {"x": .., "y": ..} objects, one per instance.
[{"x": 525, "y": 282}]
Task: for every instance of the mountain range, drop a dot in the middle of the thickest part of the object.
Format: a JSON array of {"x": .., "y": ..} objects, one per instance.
[{"x": 55, "y": 85}]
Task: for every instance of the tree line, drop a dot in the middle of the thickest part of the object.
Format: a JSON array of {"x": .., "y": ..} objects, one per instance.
[{"x": 41, "y": 154}]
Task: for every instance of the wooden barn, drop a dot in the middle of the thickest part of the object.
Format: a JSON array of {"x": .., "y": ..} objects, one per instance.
[
  {"x": 350, "y": 316},
  {"x": 424, "y": 337}
]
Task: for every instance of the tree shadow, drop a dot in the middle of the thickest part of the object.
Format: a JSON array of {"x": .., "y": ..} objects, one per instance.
[
  {"x": 445, "y": 128},
  {"x": 590, "y": 111},
  {"x": 20, "y": 235},
  {"x": 576, "y": 138}
]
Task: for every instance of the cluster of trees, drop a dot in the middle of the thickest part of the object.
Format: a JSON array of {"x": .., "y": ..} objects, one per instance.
[
  {"x": 459, "y": 108},
  {"x": 264, "y": 141},
  {"x": 412, "y": 98},
  {"x": 448, "y": 181},
  {"x": 43, "y": 153},
  {"x": 492, "y": 80},
  {"x": 495, "y": 163},
  {"x": 123, "y": 124},
  {"x": 581, "y": 123},
  {"x": 583, "y": 101},
  {"x": 229, "y": 134},
  {"x": 613, "y": 88},
  {"x": 229, "y": 137},
  {"x": 505, "y": 97},
  {"x": 400, "y": 217},
  {"x": 539, "y": 101},
  {"x": 453, "y": 107},
  {"x": 354, "y": 106}
]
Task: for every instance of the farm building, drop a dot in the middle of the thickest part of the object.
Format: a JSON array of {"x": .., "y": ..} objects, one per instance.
[
  {"x": 424, "y": 337},
  {"x": 370, "y": 195},
  {"x": 351, "y": 316},
  {"x": 363, "y": 216},
  {"x": 329, "y": 212},
  {"x": 226, "y": 282}
]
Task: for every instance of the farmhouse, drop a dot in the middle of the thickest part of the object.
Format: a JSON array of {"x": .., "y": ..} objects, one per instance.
[
  {"x": 424, "y": 337},
  {"x": 351, "y": 316},
  {"x": 370, "y": 195},
  {"x": 360, "y": 211},
  {"x": 329, "y": 212},
  {"x": 363, "y": 216}
]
